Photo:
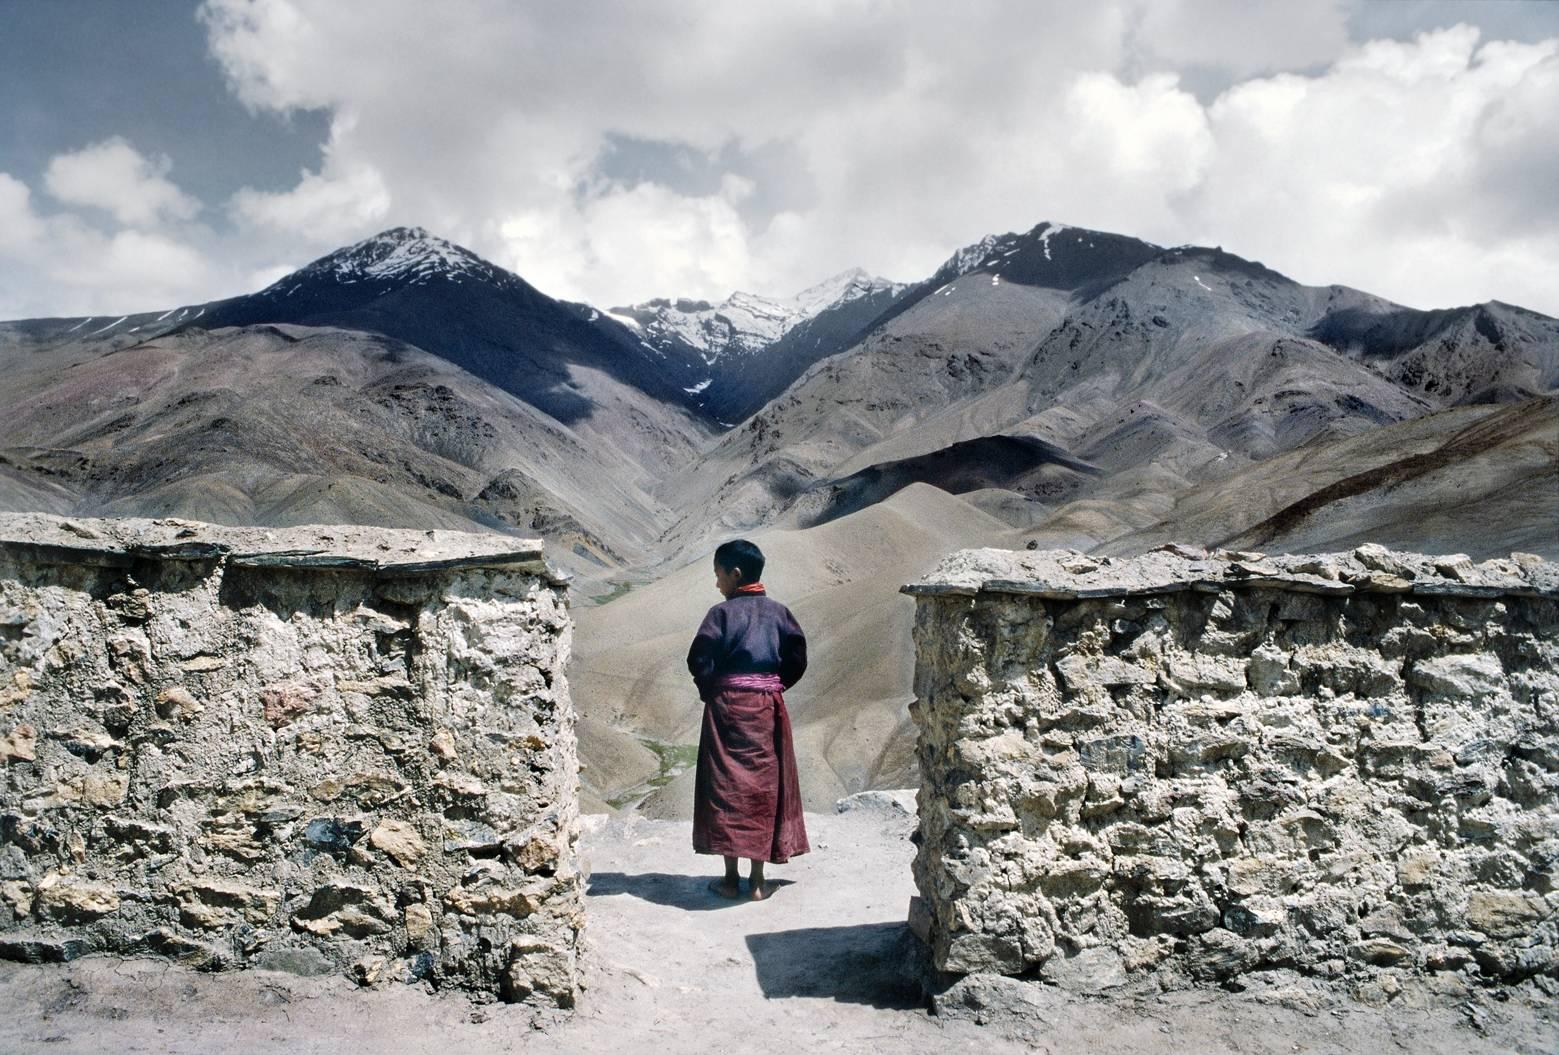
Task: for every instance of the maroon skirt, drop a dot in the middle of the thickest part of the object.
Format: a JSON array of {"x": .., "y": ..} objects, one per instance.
[{"x": 746, "y": 798}]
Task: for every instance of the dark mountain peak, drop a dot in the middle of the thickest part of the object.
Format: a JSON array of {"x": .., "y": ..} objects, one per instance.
[
  {"x": 1216, "y": 258},
  {"x": 1053, "y": 255},
  {"x": 426, "y": 291}
]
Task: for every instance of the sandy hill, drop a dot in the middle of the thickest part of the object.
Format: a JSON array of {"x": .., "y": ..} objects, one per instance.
[{"x": 629, "y": 677}]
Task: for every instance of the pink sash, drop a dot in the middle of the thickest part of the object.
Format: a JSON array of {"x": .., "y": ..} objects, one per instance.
[{"x": 751, "y": 682}]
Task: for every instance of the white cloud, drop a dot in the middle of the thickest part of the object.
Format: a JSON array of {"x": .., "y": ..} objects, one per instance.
[
  {"x": 1421, "y": 170},
  {"x": 919, "y": 127},
  {"x": 145, "y": 269},
  {"x": 1241, "y": 37},
  {"x": 114, "y": 176},
  {"x": 1386, "y": 172},
  {"x": 66, "y": 263},
  {"x": 20, "y": 227},
  {"x": 321, "y": 210},
  {"x": 59, "y": 264}
]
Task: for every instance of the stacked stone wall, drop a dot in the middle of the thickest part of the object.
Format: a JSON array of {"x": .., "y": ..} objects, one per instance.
[
  {"x": 1193, "y": 766},
  {"x": 321, "y": 750}
]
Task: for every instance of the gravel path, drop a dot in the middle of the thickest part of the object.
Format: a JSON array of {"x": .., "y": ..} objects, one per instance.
[{"x": 820, "y": 966}]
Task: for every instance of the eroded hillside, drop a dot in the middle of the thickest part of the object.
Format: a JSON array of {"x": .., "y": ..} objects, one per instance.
[{"x": 1059, "y": 387}]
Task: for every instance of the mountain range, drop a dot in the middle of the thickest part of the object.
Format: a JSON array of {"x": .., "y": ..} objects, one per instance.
[{"x": 1059, "y": 386}]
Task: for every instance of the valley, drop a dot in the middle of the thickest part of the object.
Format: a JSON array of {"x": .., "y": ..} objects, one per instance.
[{"x": 1053, "y": 388}]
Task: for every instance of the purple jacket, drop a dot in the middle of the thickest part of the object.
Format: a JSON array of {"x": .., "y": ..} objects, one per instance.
[{"x": 747, "y": 634}]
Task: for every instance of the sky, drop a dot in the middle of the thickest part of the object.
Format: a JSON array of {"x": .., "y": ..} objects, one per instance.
[{"x": 165, "y": 152}]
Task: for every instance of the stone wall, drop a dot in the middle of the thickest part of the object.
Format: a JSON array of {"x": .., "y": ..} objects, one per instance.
[
  {"x": 314, "y": 749},
  {"x": 1185, "y": 767}
]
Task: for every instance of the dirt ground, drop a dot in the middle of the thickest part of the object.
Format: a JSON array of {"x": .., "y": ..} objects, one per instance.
[{"x": 820, "y": 966}]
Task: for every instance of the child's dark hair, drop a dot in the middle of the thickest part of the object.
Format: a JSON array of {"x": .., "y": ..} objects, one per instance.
[{"x": 741, "y": 555}]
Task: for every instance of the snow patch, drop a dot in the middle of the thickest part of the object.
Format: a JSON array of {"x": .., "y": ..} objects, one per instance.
[
  {"x": 1048, "y": 233},
  {"x": 696, "y": 389},
  {"x": 1199, "y": 282},
  {"x": 80, "y": 324},
  {"x": 165, "y": 314},
  {"x": 406, "y": 254},
  {"x": 110, "y": 326}
]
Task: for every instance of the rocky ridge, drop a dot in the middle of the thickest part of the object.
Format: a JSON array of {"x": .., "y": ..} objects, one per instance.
[
  {"x": 739, "y": 354},
  {"x": 1176, "y": 567}
]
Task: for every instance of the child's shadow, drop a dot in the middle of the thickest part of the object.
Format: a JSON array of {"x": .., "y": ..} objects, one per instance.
[{"x": 679, "y": 891}]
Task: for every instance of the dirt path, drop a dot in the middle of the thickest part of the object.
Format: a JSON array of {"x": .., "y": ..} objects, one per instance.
[{"x": 673, "y": 969}]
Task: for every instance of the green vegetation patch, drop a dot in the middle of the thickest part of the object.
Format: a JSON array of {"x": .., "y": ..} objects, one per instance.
[
  {"x": 674, "y": 759},
  {"x": 617, "y": 591}
]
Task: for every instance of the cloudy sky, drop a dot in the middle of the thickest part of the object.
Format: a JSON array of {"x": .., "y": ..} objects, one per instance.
[{"x": 161, "y": 153}]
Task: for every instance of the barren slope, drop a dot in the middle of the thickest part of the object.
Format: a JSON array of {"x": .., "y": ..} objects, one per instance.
[
  {"x": 1165, "y": 368},
  {"x": 284, "y": 425}
]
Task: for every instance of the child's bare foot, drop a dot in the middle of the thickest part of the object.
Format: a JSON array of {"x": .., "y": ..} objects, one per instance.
[
  {"x": 759, "y": 890},
  {"x": 727, "y": 888}
]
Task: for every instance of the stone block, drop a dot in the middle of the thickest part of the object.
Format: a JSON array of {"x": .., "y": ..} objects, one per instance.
[
  {"x": 303, "y": 960},
  {"x": 178, "y": 702},
  {"x": 20, "y": 744},
  {"x": 24, "y": 947},
  {"x": 1220, "y": 954},
  {"x": 1332, "y": 763},
  {"x": 353, "y": 909},
  {"x": 974, "y": 953},
  {"x": 214, "y": 903},
  {"x": 1193, "y": 673},
  {"x": 1382, "y": 952},
  {"x": 1121, "y": 754},
  {"x": 540, "y": 969},
  {"x": 70, "y": 900},
  {"x": 1505, "y": 913},
  {"x": 288, "y": 701},
  {"x": 400, "y": 840},
  {"x": 1087, "y": 971},
  {"x": 1080, "y": 672},
  {"x": 1473, "y": 676}
]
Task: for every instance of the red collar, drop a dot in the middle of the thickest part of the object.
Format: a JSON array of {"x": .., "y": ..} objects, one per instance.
[{"x": 752, "y": 587}]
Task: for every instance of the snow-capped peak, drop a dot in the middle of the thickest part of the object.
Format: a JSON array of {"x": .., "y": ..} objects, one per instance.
[
  {"x": 747, "y": 322},
  {"x": 841, "y": 289},
  {"x": 407, "y": 254}
]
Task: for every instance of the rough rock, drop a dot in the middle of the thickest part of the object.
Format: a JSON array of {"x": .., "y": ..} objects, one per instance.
[
  {"x": 1193, "y": 766},
  {"x": 244, "y": 746}
]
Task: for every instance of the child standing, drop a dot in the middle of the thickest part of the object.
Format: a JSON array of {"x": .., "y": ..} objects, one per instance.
[{"x": 748, "y": 650}]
